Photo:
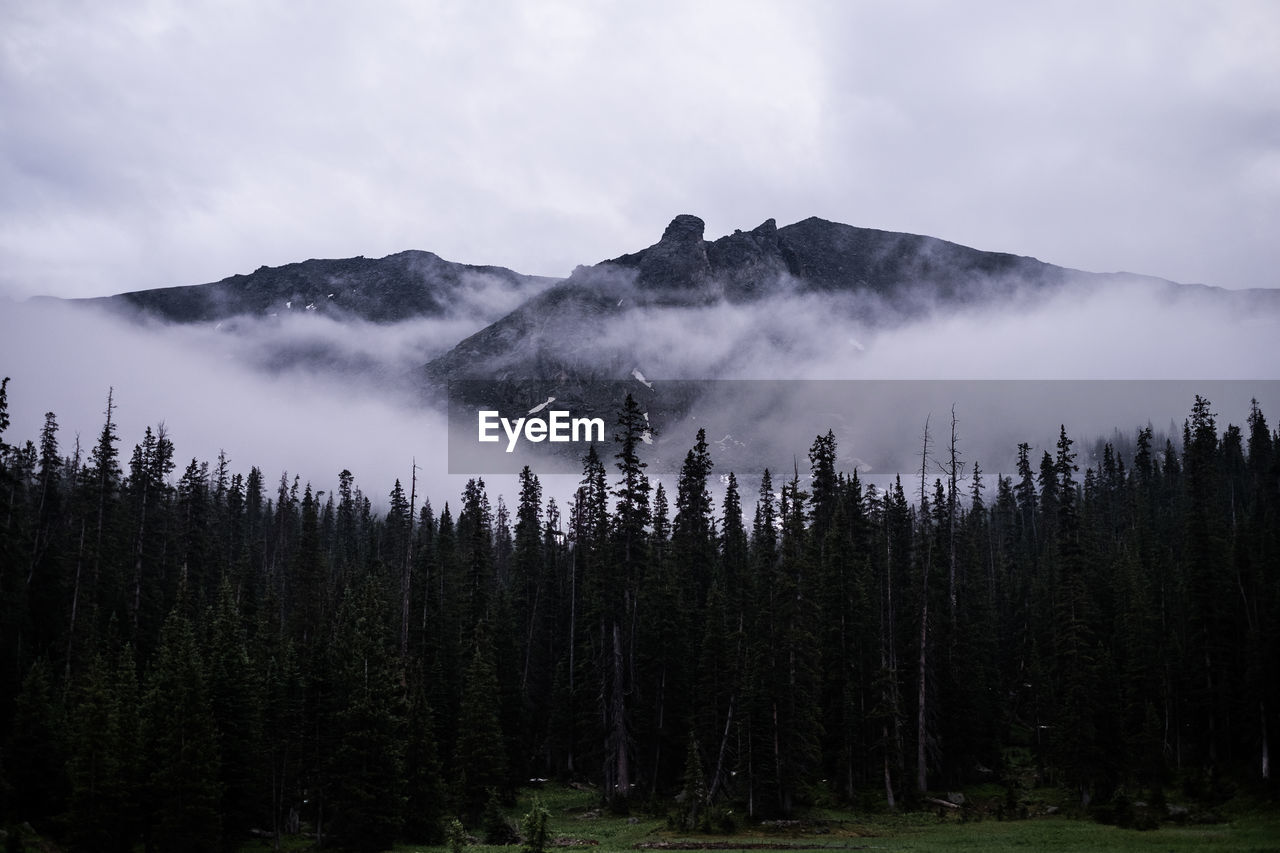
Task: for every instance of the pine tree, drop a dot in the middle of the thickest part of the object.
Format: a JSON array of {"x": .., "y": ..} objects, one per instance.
[
  {"x": 4, "y": 413},
  {"x": 11, "y": 668},
  {"x": 1262, "y": 611},
  {"x": 33, "y": 752},
  {"x": 618, "y": 601},
  {"x": 104, "y": 766},
  {"x": 824, "y": 489},
  {"x": 45, "y": 571},
  {"x": 365, "y": 792},
  {"x": 1207, "y": 609},
  {"x": 532, "y": 597},
  {"x": 693, "y": 538},
  {"x": 306, "y": 588},
  {"x": 235, "y": 698},
  {"x": 694, "y": 795},
  {"x": 733, "y": 546},
  {"x": 798, "y": 659},
  {"x": 481, "y": 759},
  {"x": 181, "y": 745},
  {"x": 475, "y": 554},
  {"x": 839, "y": 598},
  {"x": 396, "y": 548},
  {"x": 149, "y": 495},
  {"x": 715, "y": 696},
  {"x": 534, "y": 828},
  {"x": 1075, "y": 733},
  {"x": 424, "y": 801},
  {"x": 673, "y": 591},
  {"x": 194, "y": 510},
  {"x": 101, "y": 480},
  {"x": 284, "y": 706}
]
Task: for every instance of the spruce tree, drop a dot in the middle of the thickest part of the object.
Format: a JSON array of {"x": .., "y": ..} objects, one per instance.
[
  {"x": 693, "y": 536},
  {"x": 365, "y": 792},
  {"x": 33, "y": 752},
  {"x": 235, "y": 698},
  {"x": 181, "y": 745},
  {"x": 97, "y": 783},
  {"x": 535, "y": 828},
  {"x": 424, "y": 800},
  {"x": 618, "y": 599},
  {"x": 481, "y": 759},
  {"x": 694, "y": 794}
]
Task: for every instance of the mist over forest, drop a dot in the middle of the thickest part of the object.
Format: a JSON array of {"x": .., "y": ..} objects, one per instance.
[
  {"x": 949, "y": 519},
  {"x": 314, "y": 392}
]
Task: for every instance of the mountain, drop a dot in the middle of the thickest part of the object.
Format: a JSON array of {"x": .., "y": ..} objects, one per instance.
[
  {"x": 384, "y": 290},
  {"x": 749, "y": 304},
  {"x": 813, "y": 300},
  {"x": 857, "y": 275}
]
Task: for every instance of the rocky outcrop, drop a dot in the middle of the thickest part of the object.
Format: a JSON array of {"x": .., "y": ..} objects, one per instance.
[
  {"x": 747, "y": 262},
  {"x": 679, "y": 260}
]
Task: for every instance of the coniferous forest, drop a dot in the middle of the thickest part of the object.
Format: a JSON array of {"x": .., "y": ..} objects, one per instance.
[{"x": 192, "y": 654}]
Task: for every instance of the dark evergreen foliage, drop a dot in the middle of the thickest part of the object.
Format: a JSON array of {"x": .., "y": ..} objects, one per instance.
[
  {"x": 1107, "y": 621},
  {"x": 182, "y": 788}
]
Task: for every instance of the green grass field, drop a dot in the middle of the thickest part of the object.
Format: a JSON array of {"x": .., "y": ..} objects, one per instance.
[{"x": 578, "y": 824}]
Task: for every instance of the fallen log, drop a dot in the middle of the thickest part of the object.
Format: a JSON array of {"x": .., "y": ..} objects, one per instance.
[{"x": 938, "y": 802}]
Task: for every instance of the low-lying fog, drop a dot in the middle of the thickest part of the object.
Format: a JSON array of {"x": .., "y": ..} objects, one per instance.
[{"x": 310, "y": 395}]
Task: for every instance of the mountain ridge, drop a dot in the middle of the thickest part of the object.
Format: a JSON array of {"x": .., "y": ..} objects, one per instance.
[
  {"x": 592, "y": 322},
  {"x": 879, "y": 276},
  {"x": 399, "y": 286}
]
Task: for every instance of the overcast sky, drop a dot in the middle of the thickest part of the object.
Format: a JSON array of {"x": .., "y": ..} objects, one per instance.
[{"x": 145, "y": 144}]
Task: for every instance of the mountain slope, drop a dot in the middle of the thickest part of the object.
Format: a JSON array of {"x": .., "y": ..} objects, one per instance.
[
  {"x": 398, "y": 287},
  {"x": 770, "y": 301},
  {"x": 845, "y": 274}
]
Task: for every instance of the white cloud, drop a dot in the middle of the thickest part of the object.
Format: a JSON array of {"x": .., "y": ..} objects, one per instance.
[{"x": 150, "y": 143}]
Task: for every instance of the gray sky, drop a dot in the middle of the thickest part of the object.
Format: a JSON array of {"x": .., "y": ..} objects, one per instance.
[{"x": 145, "y": 144}]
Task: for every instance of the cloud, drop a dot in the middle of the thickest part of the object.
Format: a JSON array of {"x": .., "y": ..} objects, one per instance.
[
  {"x": 311, "y": 395},
  {"x": 1122, "y": 328},
  {"x": 1061, "y": 357},
  {"x": 304, "y": 420},
  {"x": 1100, "y": 356},
  {"x": 151, "y": 143}
]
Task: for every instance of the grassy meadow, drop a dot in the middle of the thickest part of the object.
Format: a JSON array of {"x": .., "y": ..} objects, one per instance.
[{"x": 578, "y": 823}]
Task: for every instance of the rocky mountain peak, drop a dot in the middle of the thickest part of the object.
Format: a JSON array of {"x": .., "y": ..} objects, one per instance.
[
  {"x": 685, "y": 228},
  {"x": 679, "y": 260}
]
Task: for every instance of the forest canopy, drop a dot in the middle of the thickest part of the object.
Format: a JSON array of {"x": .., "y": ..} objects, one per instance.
[{"x": 192, "y": 653}]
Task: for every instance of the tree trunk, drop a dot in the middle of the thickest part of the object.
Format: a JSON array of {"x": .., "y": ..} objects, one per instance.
[
  {"x": 724, "y": 743},
  {"x": 921, "y": 715},
  {"x": 888, "y": 777},
  {"x": 622, "y": 780},
  {"x": 921, "y": 728},
  {"x": 1266, "y": 747},
  {"x": 952, "y": 473},
  {"x": 102, "y": 508},
  {"x": 406, "y": 581},
  {"x": 889, "y": 660},
  {"x": 573, "y": 645},
  {"x": 657, "y": 735},
  {"x": 75, "y": 601},
  {"x": 137, "y": 555}
]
